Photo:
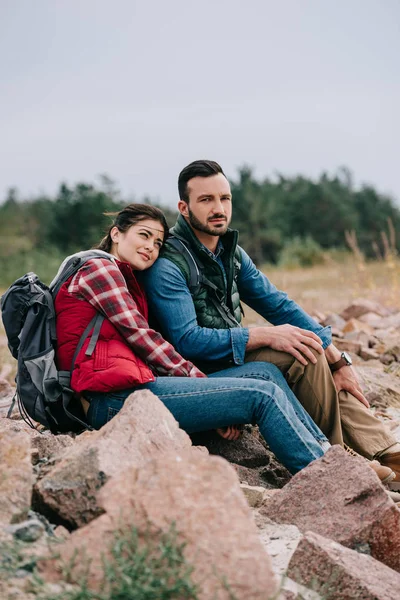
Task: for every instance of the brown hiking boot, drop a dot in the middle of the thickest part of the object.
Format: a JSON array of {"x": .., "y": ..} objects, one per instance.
[
  {"x": 384, "y": 472},
  {"x": 392, "y": 461}
]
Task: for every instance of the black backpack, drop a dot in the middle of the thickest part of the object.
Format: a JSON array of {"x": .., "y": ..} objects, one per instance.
[{"x": 27, "y": 309}]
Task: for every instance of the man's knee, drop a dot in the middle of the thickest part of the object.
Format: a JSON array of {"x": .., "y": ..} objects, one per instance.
[
  {"x": 292, "y": 369},
  {"x": 320, "y": 365},
  {"x": 315, "y": 374}
]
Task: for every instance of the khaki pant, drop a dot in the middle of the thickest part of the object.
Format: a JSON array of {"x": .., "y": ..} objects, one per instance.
[{"x": 341, "y": 417}]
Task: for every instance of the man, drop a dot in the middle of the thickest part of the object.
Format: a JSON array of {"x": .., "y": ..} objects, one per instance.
[{"x": 204, "y": 322}]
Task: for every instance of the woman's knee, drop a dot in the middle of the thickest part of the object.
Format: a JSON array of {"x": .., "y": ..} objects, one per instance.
[
  {"x": 264, "y": 396},
  {"x": 264, "y": 370}
]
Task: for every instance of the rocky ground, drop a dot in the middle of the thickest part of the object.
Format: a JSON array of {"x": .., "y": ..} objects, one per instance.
[{"x": 250, "y": 530}]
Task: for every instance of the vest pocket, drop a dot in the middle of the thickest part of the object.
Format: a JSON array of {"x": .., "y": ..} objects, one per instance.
[{"x": 100, "y": 356}]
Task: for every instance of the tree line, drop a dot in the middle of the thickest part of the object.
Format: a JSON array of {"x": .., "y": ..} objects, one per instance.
[{"x": 308, "y": 216}]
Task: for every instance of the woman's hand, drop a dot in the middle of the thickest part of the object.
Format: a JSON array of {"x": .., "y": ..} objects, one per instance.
[
  {"x": 195, "y": 372},
  {"x": 231, "y": 432}
]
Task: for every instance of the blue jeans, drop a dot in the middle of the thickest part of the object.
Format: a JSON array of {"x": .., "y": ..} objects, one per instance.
[{"x": 246, "y": 394}]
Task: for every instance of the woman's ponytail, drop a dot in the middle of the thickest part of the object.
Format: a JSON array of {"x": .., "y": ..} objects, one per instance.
[{"x": 106, "y": 243}]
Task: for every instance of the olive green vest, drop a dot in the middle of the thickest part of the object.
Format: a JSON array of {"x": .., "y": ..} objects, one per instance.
[{"x": 208, "y": 301}]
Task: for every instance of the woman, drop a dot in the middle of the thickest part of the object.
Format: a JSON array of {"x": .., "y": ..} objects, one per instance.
[{"x": 130, "y": 356}]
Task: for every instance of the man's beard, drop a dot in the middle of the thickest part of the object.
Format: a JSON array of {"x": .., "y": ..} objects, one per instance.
[{"x": 199, "y": 226}]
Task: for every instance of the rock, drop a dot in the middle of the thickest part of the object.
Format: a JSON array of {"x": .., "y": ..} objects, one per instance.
[
  {"x": 380, "y": 346},
  {"x": 339, "y": 573},
  {"x": 280, "y": 541},
  {"x": 368, "y": 354},
  {"x": 336, "y": 332},
  {"x": 381, "y": 388},
  {"x": 47, "y": 444},
  {"x": 15, "y": 589},
  {"x": 341, "y": 498},
  {"x": 250, "y": 476},
  {"x": 143, "y": 429},
  {"x": 275, "y": 474},
  {"x": 61, "y": 532},
  {"x": 393, "y": 321},
  {"x": 387, "y": 359},
  {"x": 268, "y": 494},
  {"x": 271, "y": 477},
  {"x": 6, "y": 396},
  {"x": 27, "y": 531},
  {"x": 56, "y": 591},
  {"x": 253, "y": 494},
  {"x": 348, "y": 346},
  {"x": 44, "y": 444},
  {"x": 362, "y": 306},
  {"x": 18, "y": 427},
  {"x": 6, "y": 390},
  {"x": 247, "y": 451},
  {"x": 6, "y": 369},
  {"x": 48, "y": 527},
  {"x": 353, "y": 325},
  {"x": 35, "y": 457},
  {"x": 389, "y": 333},
  {"x": 395, "y": 496},
  {"x": 394, "y": 351},
  {"x": 16, "y": 476},
  {"x": 250, "y": 456},
  {"x": 202, "y": 496},
  {"x": 371, "y": 318},
  {"x": 318, "y": 315},
  {"x": 287, "y": 595},
  {"x": 364, "y": 338},
  {"x": 334, "y": 321}
]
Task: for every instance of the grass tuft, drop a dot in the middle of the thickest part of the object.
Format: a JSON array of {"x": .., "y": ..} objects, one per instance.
[{"x": 136, "y": 568}]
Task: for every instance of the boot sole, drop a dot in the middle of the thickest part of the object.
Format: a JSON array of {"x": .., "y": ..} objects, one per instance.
[
  {"x": 394, "y": 487},
  {"x": 388, "y": 480}
]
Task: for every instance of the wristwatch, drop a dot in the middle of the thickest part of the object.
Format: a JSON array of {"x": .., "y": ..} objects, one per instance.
[{"x": 344, "y": 361}]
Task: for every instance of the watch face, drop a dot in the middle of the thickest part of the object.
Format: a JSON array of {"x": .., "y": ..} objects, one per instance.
[{"x": 347, "y": 358}]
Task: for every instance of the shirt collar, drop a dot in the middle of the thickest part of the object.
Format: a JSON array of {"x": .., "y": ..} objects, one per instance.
[{"x": 218, "y": 251}]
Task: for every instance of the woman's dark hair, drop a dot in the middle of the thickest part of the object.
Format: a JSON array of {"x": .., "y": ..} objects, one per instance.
[
  {"x": 130, "y": 215},
  {"x": 197, "y": 168}
]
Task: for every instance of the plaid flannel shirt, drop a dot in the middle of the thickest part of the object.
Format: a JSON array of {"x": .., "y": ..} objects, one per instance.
[{"x": 102, "y": 284}]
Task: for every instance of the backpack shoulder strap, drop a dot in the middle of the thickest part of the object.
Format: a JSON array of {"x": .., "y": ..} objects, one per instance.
[
  {"x": 72, "y": 264},
  {"x": 67, "y": 269},
  {"x": 195, "y": 266}
]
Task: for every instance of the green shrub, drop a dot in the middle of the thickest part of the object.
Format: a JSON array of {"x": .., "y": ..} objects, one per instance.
[{"x": 301, "y": 252}]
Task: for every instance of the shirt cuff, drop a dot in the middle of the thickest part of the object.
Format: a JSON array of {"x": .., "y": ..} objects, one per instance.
[
  {"x": 239, "y": 337},
  {"x": 326, "y": 336}
]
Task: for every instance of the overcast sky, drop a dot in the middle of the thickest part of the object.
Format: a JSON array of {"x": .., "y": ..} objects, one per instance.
[{"x": 139, "y": 89}]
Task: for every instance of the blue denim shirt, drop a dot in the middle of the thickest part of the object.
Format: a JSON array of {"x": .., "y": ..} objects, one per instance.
[{"x": 171, "y": 302}]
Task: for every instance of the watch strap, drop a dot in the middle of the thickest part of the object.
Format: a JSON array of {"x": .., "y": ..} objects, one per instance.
[{"x": 342, "y": 362}]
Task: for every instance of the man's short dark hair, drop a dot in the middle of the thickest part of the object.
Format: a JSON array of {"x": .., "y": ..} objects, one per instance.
[{"x": 197, "y": 168}]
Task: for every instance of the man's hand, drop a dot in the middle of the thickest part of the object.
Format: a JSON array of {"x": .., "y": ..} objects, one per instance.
[
  {"x": 346, "y": 379},
  {"x": 286, "y": 338},
  {"x": 232, "y": 432}
]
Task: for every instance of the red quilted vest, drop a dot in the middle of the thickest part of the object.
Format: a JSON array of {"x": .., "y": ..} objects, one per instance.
[{"x": 113, "y": 364}]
